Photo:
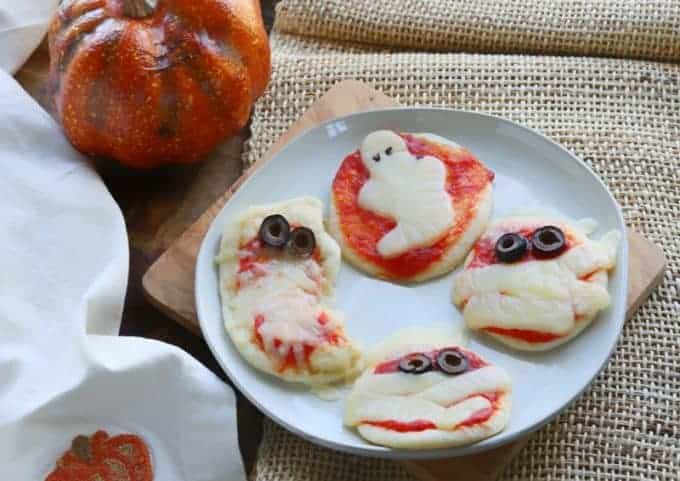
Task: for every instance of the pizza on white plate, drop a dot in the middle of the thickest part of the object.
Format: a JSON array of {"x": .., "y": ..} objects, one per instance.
[
  {"x": 277, "y": 270},
  {"x": 408, "y": 207},
  {"x": 422, "y": 390},
  {"x": 535, "y": 281}
]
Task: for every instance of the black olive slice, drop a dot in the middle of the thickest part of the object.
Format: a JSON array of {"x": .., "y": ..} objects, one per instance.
[
  {"x": 302, "y": 242},
  {"x": 548, "y": 240},
  {"x": 452, "y": 361},
  {"x": 274, "y": 231},
  {"x": 415, "y": 364},
  {"x": 511, "y": 247}
]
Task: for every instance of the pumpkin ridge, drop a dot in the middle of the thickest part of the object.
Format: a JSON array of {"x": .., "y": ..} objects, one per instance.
[
  {"x": 219, "y": 46},
  {"x": 70, "y": 12},
  {"x": 168, "y": 104},
  {"x": 68, "y": 40},
  {"x": 191, "y": 49},
  {"x": 67, "y": 49},
  {"x": 183, "y": 50},
  {"x": 97, "y": 103},
  {"x": 204, "y": 81},
  {"x": 254, "y": 64}
]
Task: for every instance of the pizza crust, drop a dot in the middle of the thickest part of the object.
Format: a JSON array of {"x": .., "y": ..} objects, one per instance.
[
  {"x": 327, "y": 363},
  {"x": 453, "y": 256},
  {"x": 545, "y": 296},
  {"x": 434, "y": 397}
]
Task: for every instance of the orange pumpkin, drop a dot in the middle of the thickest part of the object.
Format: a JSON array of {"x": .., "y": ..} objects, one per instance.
[
  {"x": 152, "y": 82},
  {"x": 102, "y": 458}
]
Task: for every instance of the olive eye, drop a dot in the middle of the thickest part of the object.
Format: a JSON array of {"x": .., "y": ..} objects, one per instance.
[
  {"x": 376, "y": 157},
  {"x": 274, "y": 231},
  {"x": 415, "y": 364},
  {"x": 452, "y": 361},
  {"x": 548, "y": 240},
  {"x": 302, "y": 242},
  {"x": 510, "y": 247},
  {"x": 388, "y": 151}
]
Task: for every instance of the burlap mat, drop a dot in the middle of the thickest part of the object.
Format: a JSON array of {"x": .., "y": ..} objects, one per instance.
[
  {"x": 646, "y": 29},
  {"x": 623, "y": 118}
]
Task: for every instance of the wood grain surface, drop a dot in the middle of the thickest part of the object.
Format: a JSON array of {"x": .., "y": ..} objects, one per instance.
[{"x": 168, "y": 284}]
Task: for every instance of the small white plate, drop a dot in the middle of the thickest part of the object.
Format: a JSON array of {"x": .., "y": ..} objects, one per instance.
[{"x": 530, "y": 170}]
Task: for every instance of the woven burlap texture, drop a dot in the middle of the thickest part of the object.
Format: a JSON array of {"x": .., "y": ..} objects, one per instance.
[
  {"x": 622, "y": 117},
  {"x": 645, "y": 29}
]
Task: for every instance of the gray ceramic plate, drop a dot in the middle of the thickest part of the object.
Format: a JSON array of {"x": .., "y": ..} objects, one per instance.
[{"x": 530, "y": 170}]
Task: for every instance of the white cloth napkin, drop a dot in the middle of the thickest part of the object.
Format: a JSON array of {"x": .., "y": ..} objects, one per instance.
[{"x": 63, "y": 272}]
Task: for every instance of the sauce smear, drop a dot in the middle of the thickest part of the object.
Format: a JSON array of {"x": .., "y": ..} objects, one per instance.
[
  {"x": 524, "y": 334},
  {"x": 403, "y": 427},
  {"x": 289, "y": 361}
]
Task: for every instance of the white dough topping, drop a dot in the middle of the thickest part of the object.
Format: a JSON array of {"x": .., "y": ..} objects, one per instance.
[{"x": 407, "y": 189}]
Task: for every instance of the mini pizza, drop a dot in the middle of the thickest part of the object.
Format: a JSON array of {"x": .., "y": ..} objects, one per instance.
[
  {"x": 428, "y": 394},
  {"x": 408, "y": 207},
  {"x": 277, "y": 269},
  {"x": 534, "y": 282}
]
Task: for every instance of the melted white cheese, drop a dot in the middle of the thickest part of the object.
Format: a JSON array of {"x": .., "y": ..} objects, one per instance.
[
  {"x": 434, "y": 386},
  {"x": 405, "y": 409},
  {"x": 288, "y": 299},
  {"x": 411, "y": 191}
]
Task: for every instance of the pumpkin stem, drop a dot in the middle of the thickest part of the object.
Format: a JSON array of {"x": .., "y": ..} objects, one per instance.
[{"x": 139, "y": 8}]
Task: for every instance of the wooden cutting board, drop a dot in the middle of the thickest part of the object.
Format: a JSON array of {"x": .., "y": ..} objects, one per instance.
[{"x": 169, "y": 282}]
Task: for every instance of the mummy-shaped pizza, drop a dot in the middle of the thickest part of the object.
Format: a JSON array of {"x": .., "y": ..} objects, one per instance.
[
  {"x": 428, "y": 394},
  {"x": 534, "y": 282},
  {"x": 277, "y": 270},
  {"x": 408, "y": 207}
]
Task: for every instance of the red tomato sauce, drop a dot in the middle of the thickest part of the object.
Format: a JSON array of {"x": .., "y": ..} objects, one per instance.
[
  {"x": 485, "y": 249},
  {"x": 256, "y": 255},
  {"x": 526, "y": 335},
  {"x": 362, "y": 229},
  {"x": 289, "y": 361},
  {"x": 392, "y": 366},
  {"x": 403, "y": 427},
  {"x": 477, "y": 417},
  {"x": 589, "y": 277}
]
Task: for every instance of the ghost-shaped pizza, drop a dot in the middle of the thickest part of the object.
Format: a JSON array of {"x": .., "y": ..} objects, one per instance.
[
  {"x": 426, "y": 395},
  {"x": 534, "y": 282},
  {"x": 277, "y": 269},
  {"x": 408, "y": 207}
]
